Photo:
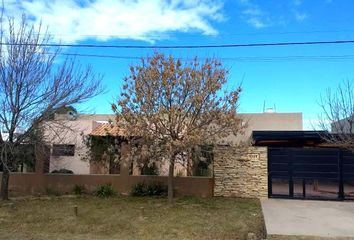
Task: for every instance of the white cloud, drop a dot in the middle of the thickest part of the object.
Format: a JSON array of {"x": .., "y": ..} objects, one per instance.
[
  {"x": 256, "y": 22},
  {"x": 263, "y": 14},
  {"x": 297, "y": 2},
  {"x": 253, "y": 14},
  {"x": 253, "y": 11},
  {"x": 102, "y": 20},
  {"x": 300, "y": 16},
  {"x": 245, "y": 2}
]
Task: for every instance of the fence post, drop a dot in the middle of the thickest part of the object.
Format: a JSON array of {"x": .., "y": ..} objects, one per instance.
[
  {"x": 341, "y": 181},
  {"x": 291, "y": 171},
  {"x": 270, "y": 189},
  {"x": 42, "y": 154},
  {"x": 125, "y": 160}
]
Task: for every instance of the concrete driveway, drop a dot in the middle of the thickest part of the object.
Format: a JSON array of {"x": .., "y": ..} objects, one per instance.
[{"x": 326, "y": 219}]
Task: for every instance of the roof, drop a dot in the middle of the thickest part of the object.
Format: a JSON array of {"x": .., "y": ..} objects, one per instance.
[
  {"x": 106, "y": 129},
  {"x": 289, "y": 138}
]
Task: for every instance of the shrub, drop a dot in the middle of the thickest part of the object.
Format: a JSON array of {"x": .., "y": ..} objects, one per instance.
[
  {"x": 63, "y": 171},
  {"x": 150, "y": 189},
  {"x": 156, "y": 189},
  {"x": 139, "y": 189},
  {"x": 150, "y": 169},
  {"x": 105, "y": 191},
  {"x": 79, "y": 189}
]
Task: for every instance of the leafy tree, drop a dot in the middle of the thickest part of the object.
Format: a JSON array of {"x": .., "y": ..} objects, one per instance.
[
  {"x": 34, "y": 83},
  {"x": 172, "y": 107}
]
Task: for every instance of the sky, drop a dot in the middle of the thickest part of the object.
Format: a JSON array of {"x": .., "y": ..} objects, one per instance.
[{"x": 287, "y": 78}]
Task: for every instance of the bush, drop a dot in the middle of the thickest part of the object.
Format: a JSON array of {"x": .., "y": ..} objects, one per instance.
[
  {"x": 63, "y": 171},
  {"x": 105, "y": 191},
  {"x": 79, "y": 189},
  {"x": 139, "y": 189},
  {"x": 156, "y": 189},
  {"x": 150, "y": 169},
  {"x": 150, "y": 189}
]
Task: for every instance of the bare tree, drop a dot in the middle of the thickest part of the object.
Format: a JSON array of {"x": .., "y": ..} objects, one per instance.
[
  {"x": 173, "y": 106},
  {"x": 338, "y": 115},
  {"x": 34, "y": 83}
]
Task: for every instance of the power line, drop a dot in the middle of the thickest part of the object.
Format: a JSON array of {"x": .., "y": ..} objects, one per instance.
[
  {"x": 184, "y": 46},
  {"x": 98, "y": 56},
  {"x": 241, "y": 59}
]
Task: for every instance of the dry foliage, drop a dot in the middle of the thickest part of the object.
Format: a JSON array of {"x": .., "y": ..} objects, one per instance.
[{"x": 173, "y": 107}]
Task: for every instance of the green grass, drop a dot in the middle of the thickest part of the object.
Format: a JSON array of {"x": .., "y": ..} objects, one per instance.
[{"x": 131, "y": 218}]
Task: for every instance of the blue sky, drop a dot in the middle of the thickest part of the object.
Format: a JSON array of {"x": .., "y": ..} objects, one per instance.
[{"x": 291, "y": 78}]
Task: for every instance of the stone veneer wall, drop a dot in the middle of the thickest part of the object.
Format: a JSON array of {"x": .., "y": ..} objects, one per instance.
[{"x": 241, "y": 171}]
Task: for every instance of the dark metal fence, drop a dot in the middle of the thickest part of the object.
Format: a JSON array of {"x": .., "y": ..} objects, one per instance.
[{"x": 311, "y": 173}]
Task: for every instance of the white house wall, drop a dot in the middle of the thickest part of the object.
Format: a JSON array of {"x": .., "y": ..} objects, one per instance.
[{"x": 70, "y": 135}]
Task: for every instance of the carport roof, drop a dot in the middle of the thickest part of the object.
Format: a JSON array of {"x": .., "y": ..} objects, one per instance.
[{"x": 288, "y": 138}]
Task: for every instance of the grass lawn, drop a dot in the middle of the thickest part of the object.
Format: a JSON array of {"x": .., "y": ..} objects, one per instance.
[{"x": 131, "y": 218}]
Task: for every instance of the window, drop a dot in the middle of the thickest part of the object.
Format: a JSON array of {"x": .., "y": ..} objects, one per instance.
[{"x": 63, "y": 150}]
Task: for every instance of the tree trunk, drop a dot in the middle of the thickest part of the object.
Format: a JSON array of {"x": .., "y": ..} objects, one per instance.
[
  {"x": 5, "y": 184},
  {"x": 170, "y": 180}
]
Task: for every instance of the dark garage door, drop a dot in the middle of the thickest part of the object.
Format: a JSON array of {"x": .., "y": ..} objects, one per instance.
[{"x": 310, "y": 173}]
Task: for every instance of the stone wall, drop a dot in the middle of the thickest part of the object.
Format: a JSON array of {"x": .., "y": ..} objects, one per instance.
[{"x": 241, "y": 172}]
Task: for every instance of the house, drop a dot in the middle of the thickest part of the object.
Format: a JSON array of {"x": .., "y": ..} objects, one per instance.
[
  {"x": 69, "y": 149},
  {"x": 65, "y": 136},
  {"x": 268, "y": 121},
  {"x": 283, "y": 162},
  {"x": 343, "y": 126}
]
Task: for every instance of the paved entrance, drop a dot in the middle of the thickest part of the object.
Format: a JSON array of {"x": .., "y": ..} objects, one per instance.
[{"x": 308, "y": 218}]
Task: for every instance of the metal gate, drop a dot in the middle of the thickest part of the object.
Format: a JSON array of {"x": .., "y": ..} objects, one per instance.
[{"x": 310, "y": 173}]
